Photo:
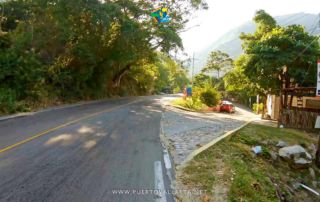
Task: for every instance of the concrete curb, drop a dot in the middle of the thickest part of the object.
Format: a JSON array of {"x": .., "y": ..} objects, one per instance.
[
  {"x": 169, "y": 149},
  {"x": 64, "y": 106},
  {"x": 166, "y": 145},
  {"x": 3, "y": 118},
  {"x": 182, "y": 108},
  {"x": 213, "y": 142},
  {"x": 191, "y": 110}
]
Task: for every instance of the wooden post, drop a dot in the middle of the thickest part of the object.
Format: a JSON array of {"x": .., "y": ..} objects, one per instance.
[{"x": 280, "y": 109}]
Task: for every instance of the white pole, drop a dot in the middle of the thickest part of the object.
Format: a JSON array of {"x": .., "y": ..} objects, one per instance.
[
  {"x": 192, "y": 70},
  {"x": 258, "y": 100}
]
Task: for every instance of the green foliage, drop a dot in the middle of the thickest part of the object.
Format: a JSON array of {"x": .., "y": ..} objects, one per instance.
[
  {"x": 176, "y": 90},
  {"x": 210, "y": 97},
  {"x": 201, "y": 97},
  {"x": 205, "y": 81},
  {"x": 169, "y": 74},
  {"x": 7, "y": 100},
  {"x": 271, "y": 48},
  {"x": 201, "y": 80},
  {"x": 190, "y": 103},
  {"x": 61, "y": 50},
  {"x": 218, "y": 61},
  {"x": 257, "y": 107},
  {"x": 237, "y": 84},
  {"x": 265, "y": 22}
]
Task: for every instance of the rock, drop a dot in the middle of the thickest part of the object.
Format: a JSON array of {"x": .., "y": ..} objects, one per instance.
[
  {"x": 296, "y": 185},
  {"x": 296, "y": 155},
  {"x": 315, "y": 183},
  {"x": 274, "y": 155},
  {"x": 312, "y": 173},
  {"x": 302, "y": 163},
  {"x": 308, "y": 156},
  {"x": 281, "y": 144},
  {"x": 313, "y": 150},
  {"x": 295, "y": 151}
]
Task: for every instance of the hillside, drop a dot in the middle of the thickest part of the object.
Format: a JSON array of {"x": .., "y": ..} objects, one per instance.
[{"x": 231, "y": 44}]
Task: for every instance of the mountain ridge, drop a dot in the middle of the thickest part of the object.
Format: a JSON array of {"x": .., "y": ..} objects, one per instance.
[{"x": 231, "y": 43}]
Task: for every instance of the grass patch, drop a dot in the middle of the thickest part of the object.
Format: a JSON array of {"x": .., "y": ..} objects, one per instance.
[{"x": 230, "y": 163}]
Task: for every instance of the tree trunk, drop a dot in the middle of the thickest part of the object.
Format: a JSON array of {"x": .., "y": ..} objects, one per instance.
[
  {"x": 117, "y": 78},
  {"x": 280, "y": 109},
  {"x": 285, "y": 105},
  {"x": 264, "y": 106}
]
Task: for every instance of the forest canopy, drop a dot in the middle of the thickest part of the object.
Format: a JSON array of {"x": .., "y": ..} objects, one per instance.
[{"x": 62, "y": 50}]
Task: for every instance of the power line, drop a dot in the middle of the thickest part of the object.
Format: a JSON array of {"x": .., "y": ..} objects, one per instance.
[
  {"x": 292, "y": 20},
  {"x": 316, "y": 25}
]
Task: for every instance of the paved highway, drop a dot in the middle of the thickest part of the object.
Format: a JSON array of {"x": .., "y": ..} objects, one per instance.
[{"x": 90, "y": 152}]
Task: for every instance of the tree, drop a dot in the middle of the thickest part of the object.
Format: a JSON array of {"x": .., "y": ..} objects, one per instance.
[
  {"x": 277, "y": 55},
  {"x": 165, "y": 73},
  {"x": 217, "y": 61},
  {"x": 210, "y": 97},
  {"x": 201, "y": 80},
  {"x": 238, "y": 84},
  {"x": 80, "y": 49}
]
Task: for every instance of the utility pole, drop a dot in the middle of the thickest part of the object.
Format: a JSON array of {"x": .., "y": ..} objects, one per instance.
[{"x": 192, "y": 70}]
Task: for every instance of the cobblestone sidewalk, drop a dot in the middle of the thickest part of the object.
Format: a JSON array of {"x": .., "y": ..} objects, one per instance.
[{"x": 187, "y": 131}]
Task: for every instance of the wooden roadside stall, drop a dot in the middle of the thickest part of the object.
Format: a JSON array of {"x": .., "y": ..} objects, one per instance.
[{"x": 303, "y": 113}]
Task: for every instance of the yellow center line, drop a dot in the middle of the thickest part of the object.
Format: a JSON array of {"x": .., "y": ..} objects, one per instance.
[{"x": 62, "y": 126}]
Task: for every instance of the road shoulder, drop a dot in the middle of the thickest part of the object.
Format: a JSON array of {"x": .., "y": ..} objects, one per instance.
[{"x": 187, "y": 134}]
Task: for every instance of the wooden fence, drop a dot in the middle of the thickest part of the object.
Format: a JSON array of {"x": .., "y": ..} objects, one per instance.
[{"x": 300, "y": 118}]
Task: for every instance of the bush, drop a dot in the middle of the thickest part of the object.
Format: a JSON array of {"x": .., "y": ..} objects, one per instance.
[
  {"x": 210, "y": 97},
  {"x": 257, "y": 106},
  {"x": 7, "y": 101},
  {"x": 176, "y": 90},
  {"x": 190, "y": 103}
]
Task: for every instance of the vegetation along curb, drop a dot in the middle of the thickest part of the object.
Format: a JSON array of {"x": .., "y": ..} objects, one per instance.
[{"x": 213, "y": 142}]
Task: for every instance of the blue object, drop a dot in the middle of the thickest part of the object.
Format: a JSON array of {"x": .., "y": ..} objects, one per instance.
[
  {"x": 189, "y": 91},
  {"x": 257, "y": 149},
  {"x": 165, "y": 19}
]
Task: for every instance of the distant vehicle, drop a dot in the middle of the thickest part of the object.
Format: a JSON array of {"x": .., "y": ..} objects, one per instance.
[
  {"x": 167, "y": 90},
  {"x": 227, "y": 106}
]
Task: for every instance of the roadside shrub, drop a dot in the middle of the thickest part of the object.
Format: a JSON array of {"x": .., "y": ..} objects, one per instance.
[
  {"x": 176, "y": 90},
  {"x": 7, "y": 101},
  {"x": 194, "y": 104},
  {"x": 210, "y": 97},
  {"x": 256, "y": 106},
  {"x": 190, "y": 103}
]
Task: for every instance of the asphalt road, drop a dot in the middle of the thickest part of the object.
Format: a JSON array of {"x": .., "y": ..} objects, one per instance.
[{"x": 86, "y": 153}]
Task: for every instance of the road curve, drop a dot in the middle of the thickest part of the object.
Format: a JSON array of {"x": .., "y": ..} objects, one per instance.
[{"x": 86, "y": 153}]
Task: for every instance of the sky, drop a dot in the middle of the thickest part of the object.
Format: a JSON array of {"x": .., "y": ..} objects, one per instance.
[{"x": 224, "y": 15}]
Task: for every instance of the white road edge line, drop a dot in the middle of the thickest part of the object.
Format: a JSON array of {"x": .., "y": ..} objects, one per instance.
[
  {"x": 167, "y": 163},
  {"x": 158, "y": 182},
  {"x": 166, "y": 158}
]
